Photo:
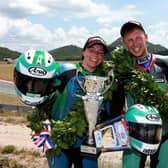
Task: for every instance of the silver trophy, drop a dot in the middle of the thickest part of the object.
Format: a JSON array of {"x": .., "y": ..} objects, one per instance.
[{"x": 94, "y": 87}]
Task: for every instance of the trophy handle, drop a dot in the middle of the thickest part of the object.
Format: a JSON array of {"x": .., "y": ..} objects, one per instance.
[
  {"x": 79, "y": 82},
  {"x": 111, "y": 78}
]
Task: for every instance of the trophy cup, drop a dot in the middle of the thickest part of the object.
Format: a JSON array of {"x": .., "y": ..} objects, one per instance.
[{"x": 94, "y": 87}]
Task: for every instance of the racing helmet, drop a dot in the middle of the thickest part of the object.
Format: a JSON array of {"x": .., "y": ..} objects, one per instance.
[
  {"x": 35, "y": 76},
  {"x": 144, "y": 128}
]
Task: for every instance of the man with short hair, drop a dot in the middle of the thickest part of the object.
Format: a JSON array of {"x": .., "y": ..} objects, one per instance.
[{"x": 135, "y": 41}]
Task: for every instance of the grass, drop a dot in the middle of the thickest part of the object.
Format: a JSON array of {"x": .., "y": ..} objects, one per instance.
[
  {"x": 8, "y": 149},
  {"x": 17, "y": 157},
  {"x": 6, "y": 71},
  {"x": 12, "y": 149}
]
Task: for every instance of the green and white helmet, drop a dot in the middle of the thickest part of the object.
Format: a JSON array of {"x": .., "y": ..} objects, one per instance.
[
  {"x": 144, "y": 127},
  {"x": 34, "y": 76}
]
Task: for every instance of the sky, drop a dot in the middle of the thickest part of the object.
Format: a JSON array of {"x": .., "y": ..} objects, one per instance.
[{"x": 50, "y": 24}]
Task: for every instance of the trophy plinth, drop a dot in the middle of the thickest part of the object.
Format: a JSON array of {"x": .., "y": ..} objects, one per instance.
[{"x": 90, "y": 150}]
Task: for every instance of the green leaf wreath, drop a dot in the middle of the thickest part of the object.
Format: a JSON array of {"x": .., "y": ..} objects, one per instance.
[
  {"x": 140, "y": 85},
  {"x": 63, "y": 133}
]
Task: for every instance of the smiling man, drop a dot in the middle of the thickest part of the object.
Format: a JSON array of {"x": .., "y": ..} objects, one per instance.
[{"x": 135, "y": 41}]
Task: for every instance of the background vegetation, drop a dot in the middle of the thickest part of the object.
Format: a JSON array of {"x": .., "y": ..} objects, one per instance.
[{"x": 72, "y": 52}]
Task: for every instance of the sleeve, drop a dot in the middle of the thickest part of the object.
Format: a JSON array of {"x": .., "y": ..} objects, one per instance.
[
  {"x": 67, "y": 71},
  {"x": 114, "y": 107},
  {"x": 162, "y": 61},
  {"x": 118, "y": 102}
]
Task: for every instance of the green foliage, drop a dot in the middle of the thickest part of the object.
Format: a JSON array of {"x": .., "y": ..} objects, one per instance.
[
  {"x": 5, "y": 52},
  {"x": 72, "y": 52},
  {"x": 8, "y": 149},
  {"x": 64, "y": 133},
  {"x": 139, "y": 84},
  {"x": 67, "y": 53},
  {"x": 157, "y": 49}
]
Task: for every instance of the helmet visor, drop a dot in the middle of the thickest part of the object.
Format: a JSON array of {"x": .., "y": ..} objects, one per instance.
[
  {"x": 147, "y": 133},
  {"x": 31, "y": 85}
]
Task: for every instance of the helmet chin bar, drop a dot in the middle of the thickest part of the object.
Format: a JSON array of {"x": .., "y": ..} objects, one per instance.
[
  {"x": 149, "y": 149},
  {"x": 145, "y": 148},
  {"x": 33, "y": 101}
]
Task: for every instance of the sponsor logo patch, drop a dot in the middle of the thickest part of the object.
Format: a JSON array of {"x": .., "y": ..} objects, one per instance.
[
  {"x": 152, "y": 117},
  {"x": 37, "y": 71}
]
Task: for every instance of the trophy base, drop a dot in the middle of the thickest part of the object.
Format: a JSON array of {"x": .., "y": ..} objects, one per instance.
[{"x": 90, "y": 150}]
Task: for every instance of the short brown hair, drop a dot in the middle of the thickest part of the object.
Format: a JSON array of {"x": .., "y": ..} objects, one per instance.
[{"x": 130, "y": 25}]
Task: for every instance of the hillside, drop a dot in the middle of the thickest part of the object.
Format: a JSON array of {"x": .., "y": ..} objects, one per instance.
[
  {"x": 69, "y": 52},
  {"x": 72, "y": 52},
  {"x": 7, "y": 53}
]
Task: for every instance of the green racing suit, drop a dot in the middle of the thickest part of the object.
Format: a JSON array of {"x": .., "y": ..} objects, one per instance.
[{"x": 157, "y": 67}]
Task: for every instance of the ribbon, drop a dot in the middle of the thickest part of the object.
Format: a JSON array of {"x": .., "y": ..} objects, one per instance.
[{"x": 42, "y": 139}]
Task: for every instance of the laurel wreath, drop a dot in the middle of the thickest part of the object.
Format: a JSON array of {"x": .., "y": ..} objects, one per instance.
[
  {"x": 63, "y": 133},
  {"x": 140, "y": 85}
]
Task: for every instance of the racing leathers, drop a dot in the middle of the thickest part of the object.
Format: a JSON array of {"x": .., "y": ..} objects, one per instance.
[{"x": 157, "y": 66}]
